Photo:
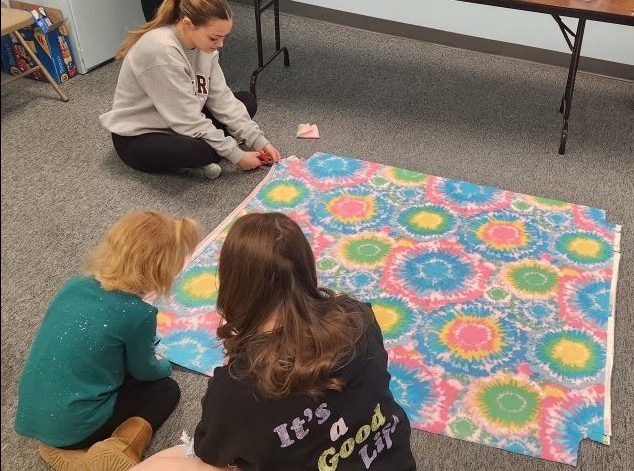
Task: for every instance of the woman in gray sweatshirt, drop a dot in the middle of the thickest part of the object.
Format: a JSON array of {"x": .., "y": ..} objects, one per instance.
[{"x": 172, "y": 107}]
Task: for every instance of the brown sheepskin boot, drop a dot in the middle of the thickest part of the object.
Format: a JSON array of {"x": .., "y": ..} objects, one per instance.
[
  {"x": 123, "y": 449},
  {"x": 63, "y": 460},
  {"x": 136, "y": 433},
  {"x": 109, "y": 455}
]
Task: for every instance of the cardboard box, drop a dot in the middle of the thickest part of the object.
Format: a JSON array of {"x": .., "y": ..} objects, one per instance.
[
  {"x": 51, "y": 48},
  {"x": 6, "y": 53}
]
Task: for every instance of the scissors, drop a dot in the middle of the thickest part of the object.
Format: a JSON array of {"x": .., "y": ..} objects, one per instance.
[{"x": 265, "y": 157}]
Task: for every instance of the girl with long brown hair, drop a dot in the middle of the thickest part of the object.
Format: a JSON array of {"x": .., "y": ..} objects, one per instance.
[
  {"x": 172, "y": 108},
  {"x": 305, "y": 385}
]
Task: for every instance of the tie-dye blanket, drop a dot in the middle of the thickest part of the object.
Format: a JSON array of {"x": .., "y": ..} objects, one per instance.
[{"x": 497, "y": 308}]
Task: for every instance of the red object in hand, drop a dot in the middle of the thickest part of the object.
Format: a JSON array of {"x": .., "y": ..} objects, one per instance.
[{"x": 265, "y": 157}]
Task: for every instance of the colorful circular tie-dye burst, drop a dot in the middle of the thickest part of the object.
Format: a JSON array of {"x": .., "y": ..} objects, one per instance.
[
  {"x": 505, "y": 404},
  {"x": 405, "y": 178},
  {"x": 364, "y": 251},
  {"x": 350, "y": 211},
  {"x": 394, "y": 316},
  {"x": 196, "y": 288},
  {"x": 570, "y": 357},
  {"x": 470, "y": 339},
  {"x": 431, "y": 275},
  {"x": 466, "y": 198},
  {"x": 502, "y": 236},
  {"x": 531, "y": 279},
  {"x": 284, "y": 194},
  {"x": 426, "y": 221},
  {"x": 583, "y": 248}
]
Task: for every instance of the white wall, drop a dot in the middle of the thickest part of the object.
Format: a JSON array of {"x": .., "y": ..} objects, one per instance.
[
  {"x": 601, "y": 40},
  {"x": 96, "y": 27}
]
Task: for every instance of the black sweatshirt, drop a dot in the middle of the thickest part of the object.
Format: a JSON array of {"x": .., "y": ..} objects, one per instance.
[{"x": 358, "y": 428}]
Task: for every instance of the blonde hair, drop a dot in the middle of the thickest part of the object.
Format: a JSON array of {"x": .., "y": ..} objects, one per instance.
[
  {"x": 199, "y": 12},
  {"x": 143, "y": 253}
]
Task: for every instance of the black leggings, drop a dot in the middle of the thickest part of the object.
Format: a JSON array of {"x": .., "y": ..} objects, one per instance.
[
  {"x": 160, "y": 152},
  {"x": 154, "y": 401}
]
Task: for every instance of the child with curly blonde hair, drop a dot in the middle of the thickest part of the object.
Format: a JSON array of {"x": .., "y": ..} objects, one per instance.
[{"x": 92, "y": 380}]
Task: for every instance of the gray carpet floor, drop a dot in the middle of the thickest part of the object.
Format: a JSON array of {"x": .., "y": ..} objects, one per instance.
[{"x": 441, "y": 111}]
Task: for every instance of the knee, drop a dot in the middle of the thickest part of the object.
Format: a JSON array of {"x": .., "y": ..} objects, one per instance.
[
  {"x": 171, "y": 391},
  {"x": 194, "y": 147},
  {"x": 249, "y": 101}
]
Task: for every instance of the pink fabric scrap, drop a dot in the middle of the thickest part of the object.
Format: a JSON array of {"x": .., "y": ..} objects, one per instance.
[{"x": 307, "y": 131}]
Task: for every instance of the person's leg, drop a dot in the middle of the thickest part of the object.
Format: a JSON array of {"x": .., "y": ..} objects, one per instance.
[
  {"x": 160, "y": 152},
  {"x": 247, "y": 99},
  {"x": 174, "y": 459},
  {"x": 152, "y": 401}
]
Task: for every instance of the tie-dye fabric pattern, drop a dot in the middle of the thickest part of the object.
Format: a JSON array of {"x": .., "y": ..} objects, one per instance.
[{"x": 497, "y": 308}]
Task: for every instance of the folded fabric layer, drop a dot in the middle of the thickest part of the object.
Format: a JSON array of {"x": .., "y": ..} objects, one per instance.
[{"x": 307, "y": 131}]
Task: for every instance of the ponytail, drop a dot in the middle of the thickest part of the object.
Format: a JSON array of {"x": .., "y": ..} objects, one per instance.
[{"x": 172, "y": 11}]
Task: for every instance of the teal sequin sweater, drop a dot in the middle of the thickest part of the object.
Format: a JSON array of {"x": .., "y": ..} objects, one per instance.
[{"x": 88, "y": 340}]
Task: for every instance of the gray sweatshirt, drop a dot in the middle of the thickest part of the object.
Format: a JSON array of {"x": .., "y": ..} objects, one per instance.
[{"x": 163, "y": 87}]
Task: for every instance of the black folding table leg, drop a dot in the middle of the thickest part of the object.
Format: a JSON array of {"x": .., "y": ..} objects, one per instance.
[
  {"x": 259, "y": 9},
  {"x": 570, "y": 84}
]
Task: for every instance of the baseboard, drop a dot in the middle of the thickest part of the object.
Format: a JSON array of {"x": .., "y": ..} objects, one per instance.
[{"x": 461, "y": 41}]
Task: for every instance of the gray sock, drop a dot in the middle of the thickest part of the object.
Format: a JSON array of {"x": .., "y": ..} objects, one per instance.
[{"x": 210, "y": 172}]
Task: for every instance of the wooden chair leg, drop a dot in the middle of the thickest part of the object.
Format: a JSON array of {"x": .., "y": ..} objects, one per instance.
[{"x": 39, "y": 64}]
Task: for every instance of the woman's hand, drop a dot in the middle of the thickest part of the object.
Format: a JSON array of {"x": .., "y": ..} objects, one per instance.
[
  {"x": 249, "y": 161},
  {"x": 273, "y": 152}
]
